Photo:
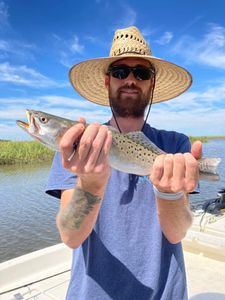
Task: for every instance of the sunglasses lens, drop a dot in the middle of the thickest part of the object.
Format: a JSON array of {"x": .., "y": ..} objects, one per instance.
[
  {"x": 123, "y": 71},
  {"x": 141, "y": 73},
  {"x": 120, "y": 72}
]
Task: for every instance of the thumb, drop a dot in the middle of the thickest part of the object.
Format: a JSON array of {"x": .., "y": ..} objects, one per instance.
[
  {"x": 196, "y": 149},
  {"x": 82, "y": 120}
]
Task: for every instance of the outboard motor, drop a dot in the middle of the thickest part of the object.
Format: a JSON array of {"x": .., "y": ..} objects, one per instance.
[
  {"x": 215, "y": 206},
  {"x": 221, "y": 195}
]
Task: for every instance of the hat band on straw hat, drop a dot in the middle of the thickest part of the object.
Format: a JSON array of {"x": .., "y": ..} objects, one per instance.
[{"x": 88, "y": 77}]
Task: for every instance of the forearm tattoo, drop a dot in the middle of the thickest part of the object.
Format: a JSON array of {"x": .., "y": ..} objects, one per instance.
[{"x": 80, "y": 206}]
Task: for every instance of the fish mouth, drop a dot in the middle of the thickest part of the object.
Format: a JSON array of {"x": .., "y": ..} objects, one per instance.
[
  {"x": 22, "y": 124},
  {"x": 25, "y": 125},
  {"x": 31, "y": 121}
]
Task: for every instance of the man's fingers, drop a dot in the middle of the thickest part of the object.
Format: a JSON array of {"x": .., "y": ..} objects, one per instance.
[
  {"x": 103, "y": 155},
  {"x": 86, "y": 143},
  {"x": 175, "y": 172},
  {"x": 157, "y": 170},
  {"x": 192, "y": 173},
  {"x": 69, "y": 138},
  {"x": 178, "y": 172},
  {"x": 168, "y": 167},
  {"x": 92, "y": 151},
  {"x": 97, "y": 146},
  {"x": 196, "y": 149},
  {"x": 82, "y": 120}
]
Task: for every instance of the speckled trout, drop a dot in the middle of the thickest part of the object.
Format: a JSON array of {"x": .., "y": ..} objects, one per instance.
[{"x": 130, "y": 152}]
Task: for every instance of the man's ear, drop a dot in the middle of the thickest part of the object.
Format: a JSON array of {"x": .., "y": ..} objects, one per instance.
[{"x": 107, "y": 81}]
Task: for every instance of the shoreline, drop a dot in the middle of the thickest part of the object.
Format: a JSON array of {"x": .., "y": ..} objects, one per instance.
[
  {"x": 205, "y": 139},
  {"x": 23, "y": 152},
  {"x": 26, "y": 152}
]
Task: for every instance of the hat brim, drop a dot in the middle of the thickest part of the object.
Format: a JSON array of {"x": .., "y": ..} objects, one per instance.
[{"x": 88, "y": 78}]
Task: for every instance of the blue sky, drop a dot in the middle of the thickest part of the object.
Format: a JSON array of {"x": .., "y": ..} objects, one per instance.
[{"x": 41, "y": 40}]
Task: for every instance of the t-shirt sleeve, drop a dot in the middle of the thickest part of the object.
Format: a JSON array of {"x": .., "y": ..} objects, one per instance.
[
  {"x": 59, "y": 178},
  {"x": 183, "y": 143}
]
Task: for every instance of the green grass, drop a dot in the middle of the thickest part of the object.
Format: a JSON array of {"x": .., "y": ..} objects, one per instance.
[
  {"x": 205, "y": 139},
  {"x": 12, "y": 152}
]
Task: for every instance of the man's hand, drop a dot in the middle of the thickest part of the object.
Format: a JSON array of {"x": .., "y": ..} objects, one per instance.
[
  {"x": 90, "y": 161},
  {"x": 173, "y": 173},
  {"x": 196, "y": 149}
]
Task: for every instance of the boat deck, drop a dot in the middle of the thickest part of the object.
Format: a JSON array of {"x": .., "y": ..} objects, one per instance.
[
  {"x": 40, "y": 275},
  {"x": 44, "y": 274},
  {"x": 205, "y": 277},
  {"x": 48, "y": 289}
]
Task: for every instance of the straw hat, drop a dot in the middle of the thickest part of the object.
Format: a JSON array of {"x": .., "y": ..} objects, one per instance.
[{"x": 88, "y": 77}]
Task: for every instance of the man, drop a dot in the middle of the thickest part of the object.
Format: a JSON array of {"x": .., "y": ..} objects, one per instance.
[{"x": 125, "y": 229}]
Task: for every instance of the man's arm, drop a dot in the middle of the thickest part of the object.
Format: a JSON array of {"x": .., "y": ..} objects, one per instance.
[
  {"x": 80, "y": 206},
  {"x": 175, "y": 218},
  {"x": 173, "y": 174}
]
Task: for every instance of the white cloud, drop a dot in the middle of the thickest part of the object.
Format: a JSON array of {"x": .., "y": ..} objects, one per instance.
[
  {"x": 68, "y": 49},
  {"x": 194, "y": 113},
  {"x": 196, "y": 123},
  {"x": 17, "y": 48},
  {"x": 128, "y": 16},
  {"x": 3, "y": 15},
  {"x": 23, "y": 75},
  {"x": 4, "y": 45},
  {"x": 165, "y": 38},
  {"x": 76, "y": 46},
  {"x": 210, "y": 50},
  {"x": 191, "y": 23},
  {"x": 62, "y": 106},
  {"x": 12, "y": 132}
]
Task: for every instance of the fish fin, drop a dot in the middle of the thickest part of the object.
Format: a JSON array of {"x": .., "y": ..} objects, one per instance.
[
  {"x": 208, "y": 168},
  {"x": 209, "y": 176}
]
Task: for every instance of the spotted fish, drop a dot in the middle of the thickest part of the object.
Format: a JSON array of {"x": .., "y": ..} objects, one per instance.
[{"x": 130, "y": 152}]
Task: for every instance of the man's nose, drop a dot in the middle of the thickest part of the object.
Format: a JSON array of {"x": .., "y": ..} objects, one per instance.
[{"x": 131, "y": 80}]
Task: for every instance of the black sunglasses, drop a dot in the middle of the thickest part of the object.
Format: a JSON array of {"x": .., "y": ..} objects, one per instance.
[{"x": 123, "y": 71}]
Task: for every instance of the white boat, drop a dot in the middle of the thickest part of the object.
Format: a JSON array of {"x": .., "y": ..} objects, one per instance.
[
  {"x": 41, "y": 275},
  {"x": 44, "y": 274},
  {"x": 204, "y": 252}
]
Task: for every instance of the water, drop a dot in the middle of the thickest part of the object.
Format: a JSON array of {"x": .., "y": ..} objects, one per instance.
[
  {"x": 27, "y": 214},
  {"x": 209, "y": 189}
]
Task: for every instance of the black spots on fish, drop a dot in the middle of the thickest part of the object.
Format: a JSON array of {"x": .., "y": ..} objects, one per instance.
[
  {"x": 139, "y": 155},
  {"x": 120, "y": 144}
]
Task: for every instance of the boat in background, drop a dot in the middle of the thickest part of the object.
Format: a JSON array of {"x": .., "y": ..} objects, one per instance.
[{"x": 45, "y": 274}]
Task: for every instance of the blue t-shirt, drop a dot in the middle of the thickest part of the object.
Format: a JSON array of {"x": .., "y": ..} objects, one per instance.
[{"x": 126, "y": 257}]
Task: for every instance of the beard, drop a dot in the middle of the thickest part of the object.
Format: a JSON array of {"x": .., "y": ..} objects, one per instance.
[{"x": 125, "y": 105}]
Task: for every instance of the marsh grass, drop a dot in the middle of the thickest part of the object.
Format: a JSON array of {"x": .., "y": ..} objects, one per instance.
[
  {"x": 12, "y": 152},
  {"x": 205, "y": 139}
]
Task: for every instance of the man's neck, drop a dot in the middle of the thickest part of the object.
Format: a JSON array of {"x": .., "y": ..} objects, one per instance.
[{"x": 128, "y": 124}]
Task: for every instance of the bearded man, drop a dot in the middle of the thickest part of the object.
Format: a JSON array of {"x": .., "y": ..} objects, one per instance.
[{"x": 126, "y": 230}]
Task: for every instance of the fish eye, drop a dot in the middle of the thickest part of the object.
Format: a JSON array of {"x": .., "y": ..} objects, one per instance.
[{"x": 43, "y": 120}]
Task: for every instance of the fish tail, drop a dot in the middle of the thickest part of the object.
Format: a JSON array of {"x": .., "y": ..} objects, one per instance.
[{"x": 208, "y": 168}]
